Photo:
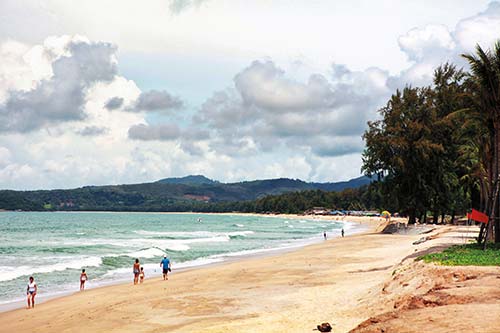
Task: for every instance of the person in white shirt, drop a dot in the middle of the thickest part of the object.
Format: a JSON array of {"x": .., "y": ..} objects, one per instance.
[{"x": 31, "y": 292}]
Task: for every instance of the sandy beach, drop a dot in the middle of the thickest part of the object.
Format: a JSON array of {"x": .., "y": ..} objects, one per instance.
[{"x": 345, "y": 281}]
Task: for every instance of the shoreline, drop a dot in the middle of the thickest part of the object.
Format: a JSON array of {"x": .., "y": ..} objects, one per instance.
[
  {"x": 341, "y": 280},
  {"x": 228, "y": 259},
  {"x": 363, "y": 225},
  {"x": 289, "y": 288}
]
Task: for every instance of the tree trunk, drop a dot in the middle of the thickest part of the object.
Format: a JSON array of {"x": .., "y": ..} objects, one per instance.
[
  {"x": 481, "y": 233},
  {"x": 411, "y": 217},
  {"x": 495, "y": 224},
  {"x": 443, "y": 216},
  {"x": 435, "y": 216},
  {"x": 452, "y": 217},
  {"x": 483, "y": 193},
  {"x": 492, "y": 214}
]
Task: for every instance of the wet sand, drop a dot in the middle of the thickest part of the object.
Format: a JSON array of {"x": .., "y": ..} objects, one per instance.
[{"x": 340, "y": 281}]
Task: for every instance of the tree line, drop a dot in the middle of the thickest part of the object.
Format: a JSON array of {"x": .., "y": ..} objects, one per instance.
[
  {"x": 436, "y": 148},
  {"x": 365, "y": 197}
]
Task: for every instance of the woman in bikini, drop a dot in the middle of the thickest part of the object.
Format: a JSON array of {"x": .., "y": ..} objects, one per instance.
[
  {"x": 83, "y": 278},
  {"x": 137, "y": 270},
  {"x": 31, "y": 292}
]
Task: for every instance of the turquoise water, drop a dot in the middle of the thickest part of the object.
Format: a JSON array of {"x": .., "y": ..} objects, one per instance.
[{"x": 54, "y": 247}]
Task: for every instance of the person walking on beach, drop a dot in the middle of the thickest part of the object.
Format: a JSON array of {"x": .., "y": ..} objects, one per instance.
[
  {"x": 31, "y": 292},
  {"x": 324, "y": 234},
  {"x": 141, "y": 275},
  {"x": 342, "y": 232},
  {"x": 83, "y": 278},
  {"x": 165, "y": 263},
  {"x": 136, "y": 270}
]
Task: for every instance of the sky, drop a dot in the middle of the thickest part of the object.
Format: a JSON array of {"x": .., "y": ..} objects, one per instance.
[{"x": 114, "y": 92}]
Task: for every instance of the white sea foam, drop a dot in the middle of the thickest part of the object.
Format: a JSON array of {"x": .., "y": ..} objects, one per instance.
[
  {"x": 10, "y": 272},
  {"x": 193, "y": 234},
  {"x": 127, "y": 271},
  {"x": 155, "y": 269},
  {"x": 147, "y": 253},
  {"x": 189, "y": 234},
  {"x": 198, "y": 262},
  {"x": 171, "y": 244},
  {"x": 240, "y": 233}
]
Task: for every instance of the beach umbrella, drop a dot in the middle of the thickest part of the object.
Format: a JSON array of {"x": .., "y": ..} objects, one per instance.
[{"x": 385, "y": 213}]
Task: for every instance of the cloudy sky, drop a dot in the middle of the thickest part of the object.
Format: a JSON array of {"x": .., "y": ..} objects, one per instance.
[{"x": 125, "y": 91}]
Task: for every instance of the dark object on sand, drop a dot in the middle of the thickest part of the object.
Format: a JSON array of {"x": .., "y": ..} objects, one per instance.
[{"x": 324, "y": 327}]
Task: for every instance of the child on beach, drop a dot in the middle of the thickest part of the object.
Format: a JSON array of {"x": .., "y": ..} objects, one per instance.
[
  {"x": 83, "y": 278},
  {"x": 136, "y": 270},
  {"x": 31, "y": 292},
  {"x": 141, "y": 275}
]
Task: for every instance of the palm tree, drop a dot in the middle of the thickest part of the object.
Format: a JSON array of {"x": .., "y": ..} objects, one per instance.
[{"x": 485, "y": 67}]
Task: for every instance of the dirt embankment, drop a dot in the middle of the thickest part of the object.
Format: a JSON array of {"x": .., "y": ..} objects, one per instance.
[{"x": 423, "y": 297}]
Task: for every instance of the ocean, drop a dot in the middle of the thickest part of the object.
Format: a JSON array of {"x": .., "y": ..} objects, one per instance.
[{"x": 54, "y": 246}]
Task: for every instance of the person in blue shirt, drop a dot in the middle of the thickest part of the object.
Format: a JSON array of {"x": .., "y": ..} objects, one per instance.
[{"x": 165, "y": 263}]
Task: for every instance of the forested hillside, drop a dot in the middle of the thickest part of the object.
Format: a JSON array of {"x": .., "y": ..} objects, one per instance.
[{"x": 192, "y": 193}]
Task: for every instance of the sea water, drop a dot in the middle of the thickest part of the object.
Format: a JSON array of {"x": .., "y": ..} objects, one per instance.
[{"x": 54, "y": 246}]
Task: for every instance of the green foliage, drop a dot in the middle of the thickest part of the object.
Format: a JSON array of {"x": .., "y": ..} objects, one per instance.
[
  {"x": 297, "y": 202},
  {"x": 466, "y": 255},
  {"x": 484, "y": 115},
  {"x": 276, "y": 195},
  {"x": 415, "y": 150}
]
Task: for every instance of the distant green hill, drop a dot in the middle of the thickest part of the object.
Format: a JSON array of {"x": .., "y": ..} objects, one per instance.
[
  {"x": 170, "y": 194},
  {"x": 189, "y": 180}
]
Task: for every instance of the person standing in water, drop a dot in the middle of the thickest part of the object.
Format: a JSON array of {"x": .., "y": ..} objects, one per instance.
[
  {"x": 342, "y": 232},
  {"x": 324, "y": 234},
  {"x": 83, "y": 278},
  {"x": 136, "y": 270},
  {"x": 31, "y": 292},
  {"x": 165, "y": 263}
]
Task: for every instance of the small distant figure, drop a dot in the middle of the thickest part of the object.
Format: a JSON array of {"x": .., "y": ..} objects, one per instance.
[
  {"x": 324, "y": 234},
  {"x": 342, "y": 232},
  {"x": 31, "y": 292},
  {"x": 83, "y": 278},
  {"x": 141, "y": 275},
  {"x": 165, "y": 263},
  {"x": 136, "y": 270},
  {"x": 199, "y": 219}
]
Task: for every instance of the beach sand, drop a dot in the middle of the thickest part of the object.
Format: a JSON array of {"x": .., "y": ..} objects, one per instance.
[{"x": 340, "y": 281}]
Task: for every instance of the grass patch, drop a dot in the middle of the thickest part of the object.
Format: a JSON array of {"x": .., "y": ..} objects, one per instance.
[{"x": 466, "y": 255}]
